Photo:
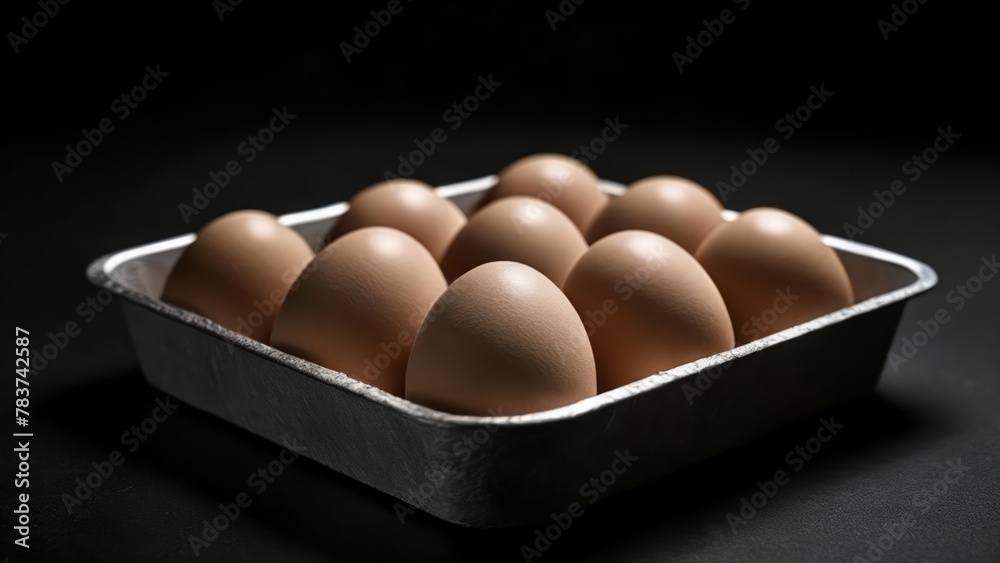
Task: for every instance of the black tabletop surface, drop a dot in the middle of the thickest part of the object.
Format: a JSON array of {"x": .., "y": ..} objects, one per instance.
[{"x": 913, "y": 474}]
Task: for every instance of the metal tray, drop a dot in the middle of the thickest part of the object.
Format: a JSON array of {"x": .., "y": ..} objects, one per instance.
[{"x": 512, "y": 470}]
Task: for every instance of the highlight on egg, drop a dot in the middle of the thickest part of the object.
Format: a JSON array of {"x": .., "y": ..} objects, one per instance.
[
  {"x": 672, "y": 206},
  {"x": 357, "y": 307},
  {"x": 504, "y": 341},
  {"x": 238, "y": 271},
  {"x": 407, "y": 205},
  {"x": 647, "y": 306},
  {"x": 519, "y": 229},
  {"x": 774, "y": 272},
  {"x": 562, "y": 181}
]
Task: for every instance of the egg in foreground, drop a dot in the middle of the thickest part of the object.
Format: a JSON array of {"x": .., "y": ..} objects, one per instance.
[{"x": 505, "y": 341}]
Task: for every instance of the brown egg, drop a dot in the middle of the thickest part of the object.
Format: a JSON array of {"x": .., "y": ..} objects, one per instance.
[
  {"x": 675, "y": 207},
  {"x": 407, "y": 205},
  {"x": 357, "y": 307},
  {"x": 238, "y": 271},
  {"x": 503, "y": 341},
  {"x": 647, "y": 305},
  {"x": 560, "y": 180},
  {"x": 774, "y": 272},
  {"x": 521, "y": 229}
]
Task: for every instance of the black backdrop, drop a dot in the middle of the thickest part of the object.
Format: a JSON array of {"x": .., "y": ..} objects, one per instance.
[{"x": 355, "y": 119}]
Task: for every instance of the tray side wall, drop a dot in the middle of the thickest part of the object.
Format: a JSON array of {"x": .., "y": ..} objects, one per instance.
[{"x": 506, "y": 475}]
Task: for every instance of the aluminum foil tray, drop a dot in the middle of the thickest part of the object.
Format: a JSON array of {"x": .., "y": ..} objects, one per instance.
[{"x": 512, "y": 470}]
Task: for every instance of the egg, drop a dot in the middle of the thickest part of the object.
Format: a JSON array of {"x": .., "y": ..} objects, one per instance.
[
  {"x": 357, "y": 306},
  {"x": 647, "y": 306},
  {"x": 238, "y": 271},
  {"x": 519, "y": 229},
  {"x": 502, "y": 340},
  {"x": 675, "y": 207},
  {"x": 407, "y": 205},
  {"x": 774, "y": 272},
  {"x": 560, "y": 180}
]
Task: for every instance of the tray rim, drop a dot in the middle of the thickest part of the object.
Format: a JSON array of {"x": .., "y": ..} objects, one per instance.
[{"x": 99, "y": 274}]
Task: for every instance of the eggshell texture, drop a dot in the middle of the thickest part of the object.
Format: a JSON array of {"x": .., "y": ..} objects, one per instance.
[
  {"x": 520, "y": 229},
  {"x": 502, "y": 340},
  {"x": 647, "y": 306},
  {"x": 774, "y": 272},
  {"x": 407, "y": 205},
  {"x": 675, "y": 207},
  {"x": 356, "y": 308},
  {"x": 238, "y": 271},
  {"x": 560, "y": 180}
]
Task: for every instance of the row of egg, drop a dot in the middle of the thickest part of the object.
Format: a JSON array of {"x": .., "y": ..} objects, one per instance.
[{"x": 547, "y": 294}]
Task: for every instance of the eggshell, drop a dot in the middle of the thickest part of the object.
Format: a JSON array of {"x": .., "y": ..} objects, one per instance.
[
  {"x": 407, "y": 205},
  {"x": 238, "y": 271},
  {"x": 520, "y": 229},
  {"x": 774, "y": 272},
  {"x": 675, "y": 207},
  {"x": 647, "y": 306},
  {"x": 502, "y": 340},
  {"x": 560, "y": 180},
  {"x": 357, "y": 307}
]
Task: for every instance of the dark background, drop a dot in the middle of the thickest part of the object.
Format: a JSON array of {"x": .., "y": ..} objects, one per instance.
[{"x": 353, "y": 121}]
